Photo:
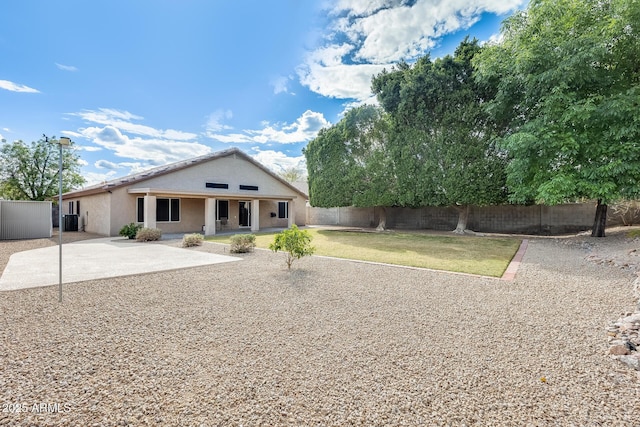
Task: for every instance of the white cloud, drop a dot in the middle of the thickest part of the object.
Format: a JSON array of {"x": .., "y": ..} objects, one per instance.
[
  {"x": 153, "y": 151},
  {"x": 374, "y": 34},
  {"x": 83, "y": 162},
  {"x": 495, "y": 39},
  {"x": 216, "y": 119},
  {"x": 15, "y": 87},
  {"x": 340, "y": 81},
  {"x": 93, "y": 178},
  {"x": 305, "y": 128},
  {"x": 114, "y": 130},
  {"x": 278, "y": 161},
  {"x": 106, "y": 164},
  {"x": 89, "y": 148},
  {"x": 122, "y": 120},
  {"x": 66, "y": 67},
  {"x": 281, "y": 84}
]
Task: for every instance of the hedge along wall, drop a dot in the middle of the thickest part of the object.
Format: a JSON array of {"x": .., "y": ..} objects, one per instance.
[{"x": 536, "y": 219}]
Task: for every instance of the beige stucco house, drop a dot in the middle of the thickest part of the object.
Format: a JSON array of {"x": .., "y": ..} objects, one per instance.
[{"x": 227, "y": 190}]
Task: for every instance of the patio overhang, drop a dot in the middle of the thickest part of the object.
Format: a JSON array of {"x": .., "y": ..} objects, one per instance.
[
  {"x": 151, "y": 195},
  {"x": 161, "y": 192}
]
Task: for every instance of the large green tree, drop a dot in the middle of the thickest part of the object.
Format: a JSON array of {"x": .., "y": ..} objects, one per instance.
[
  {"x": 348, "y": 163},
  {"x": 31, "y": 172},
  {"x": 568, "y": 88},
  {"x": 443, "y": 141}
]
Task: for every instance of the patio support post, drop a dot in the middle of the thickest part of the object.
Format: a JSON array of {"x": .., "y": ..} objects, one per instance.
[
  {"x": 210, "y": 217},
  {"x": 255, "y": 215},
  {"x": 292, "y": 213},
  {"x": 149, "y": 211}
]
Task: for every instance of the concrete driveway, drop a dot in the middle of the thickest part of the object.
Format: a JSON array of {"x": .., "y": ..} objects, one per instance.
[{"x": 97, "y": 259}]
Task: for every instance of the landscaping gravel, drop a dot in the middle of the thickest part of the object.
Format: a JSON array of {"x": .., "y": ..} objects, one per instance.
[{"x": 331, "y": 342}]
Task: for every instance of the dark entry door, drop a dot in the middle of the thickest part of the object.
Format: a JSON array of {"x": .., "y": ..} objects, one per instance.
[{"x": 244, "y": 214}]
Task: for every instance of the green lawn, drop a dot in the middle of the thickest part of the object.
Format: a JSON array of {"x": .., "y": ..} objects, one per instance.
[{"x": 486, "y": 256}]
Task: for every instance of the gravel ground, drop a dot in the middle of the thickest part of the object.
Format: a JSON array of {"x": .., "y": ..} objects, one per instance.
[{"x": 330, "y": 343}]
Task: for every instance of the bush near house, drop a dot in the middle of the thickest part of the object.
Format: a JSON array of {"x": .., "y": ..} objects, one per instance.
[
  {"x": 148, "y": 234},
  {"x": 130, "y": 230},
  {"x": 295, "y": 242},
  {"x": 189, "y": 240},
  {"x": 241, "y": 243}
]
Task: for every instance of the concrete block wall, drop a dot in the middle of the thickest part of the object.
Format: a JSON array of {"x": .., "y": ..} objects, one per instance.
[{"x": 536, "y": 219}]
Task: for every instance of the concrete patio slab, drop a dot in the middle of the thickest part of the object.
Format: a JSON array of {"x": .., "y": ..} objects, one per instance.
[{"x": 98, "y": 259}]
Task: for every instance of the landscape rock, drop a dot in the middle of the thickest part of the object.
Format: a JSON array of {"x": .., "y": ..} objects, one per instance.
[
  {"x": 619, "y": 350},
  {"x": 334, "y": 342}
]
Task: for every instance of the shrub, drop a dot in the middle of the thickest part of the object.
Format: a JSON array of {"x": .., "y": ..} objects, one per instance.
[
  {"x": 148, "y": 234},
  {"x": 130, "y": 230},
  {"x": 241, "y": 243},
  {"x": 295, "y": 242},
  {"x": 189, "y": 240}
]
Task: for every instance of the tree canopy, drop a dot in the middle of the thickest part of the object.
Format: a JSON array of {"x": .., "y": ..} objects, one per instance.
[
  {"x": 444, "y": 146},
  {"x": 348, "y": 162},
  {"x": 548, "y": 114},
  {"x": 31, "y": 172},
  {"x": 431, "y": 143},
  {"x": 568, "y": 88}
]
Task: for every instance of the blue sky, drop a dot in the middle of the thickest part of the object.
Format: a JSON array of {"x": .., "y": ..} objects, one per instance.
[{"x": 141, "y": 83}]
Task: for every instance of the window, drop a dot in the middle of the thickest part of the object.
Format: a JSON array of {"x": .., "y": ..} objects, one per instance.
[
  {"x": 167, "y": 210},
  {"x": 140, "y": 214},
  {"x": 249, "y": 187},
  {"x": 175, "y": 210},
  {"x": 70, "y": 208},
  {"x": 162, "y": 210},
  {"x": 216, "y": 185},
  {"x": 222, "y": 210},
  {"x": 283, "y": 209}
]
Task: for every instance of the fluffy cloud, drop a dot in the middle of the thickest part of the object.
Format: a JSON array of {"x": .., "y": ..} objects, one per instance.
[
  {"x": 305, "y": 128},
  {"x": 153, "y": 151},
  {"x": 342, "y": 81},
  {"x": 369, "y": 35},
  {"x": 89, "y": 148},
  {"x": 115, "y": 130},
  {"x": 123, "y": 120},
  {"x": 278, "y": 161},
  {"x": 15, "y": 87},
  {"x": 105, "y": 164}
]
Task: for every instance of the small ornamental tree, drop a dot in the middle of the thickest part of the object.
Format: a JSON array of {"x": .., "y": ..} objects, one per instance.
[{"x": 295, "y": 242}]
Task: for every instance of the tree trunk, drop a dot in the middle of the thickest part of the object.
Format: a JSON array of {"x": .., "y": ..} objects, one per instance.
[
  {"x": 382, "y": 222},
  {"x": 463, "y": 218},
  {"x": 600, "y": 221}
]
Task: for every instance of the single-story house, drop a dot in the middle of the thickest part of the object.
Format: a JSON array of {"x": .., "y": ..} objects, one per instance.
[{"x": 226, "y": 190}]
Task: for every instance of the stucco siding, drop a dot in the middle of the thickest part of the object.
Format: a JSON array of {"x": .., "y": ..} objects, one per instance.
[
  {"x": 94, "y": 215},
  {"x": 267, "y": 209},
  {"x": 300, "y": 207},
  {"x": 191, "y": 218},
  {"x": 123, "y": 210},
  {"x": 244, "y": 181},
  {"x": 232, "y": 170}
]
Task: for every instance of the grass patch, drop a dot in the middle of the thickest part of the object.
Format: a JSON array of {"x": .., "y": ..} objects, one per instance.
[{"x": 486, "y": 256}]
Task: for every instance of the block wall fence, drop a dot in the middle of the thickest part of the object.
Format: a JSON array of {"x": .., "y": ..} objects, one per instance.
[{"x": 536, "y": 219}]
